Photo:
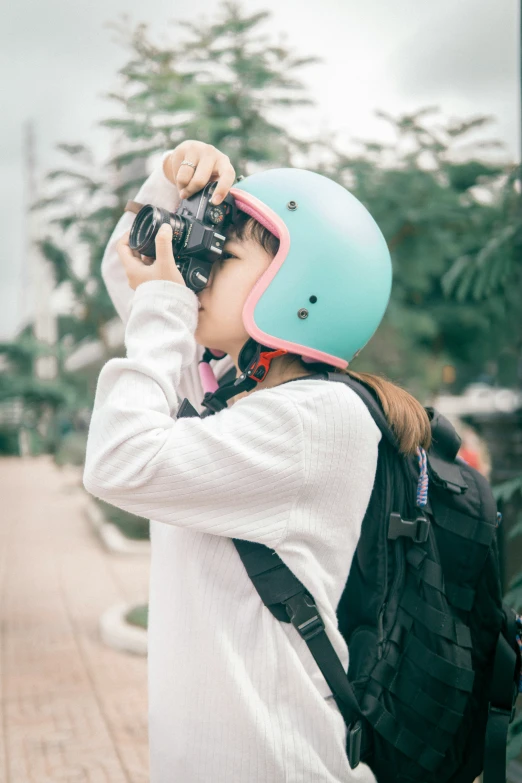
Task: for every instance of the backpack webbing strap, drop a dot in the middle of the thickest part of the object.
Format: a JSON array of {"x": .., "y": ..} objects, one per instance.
[
  {"x": 459, "y": 677},
  {"x": 503, "y": 695},
  {"x": 463, "y": 525},
  {"x": 186, "y": 410},
  {"x": 446, "y": 471},
  {"x": 282, "y": 592},
  {"x": 288, "y": 600},
  {"x": 394, "y": 731},
  {"x": 441, "y": 623},
  {"x": 402, "y": 684},
  {"x": 431, "y": 573},
  {"x": 461, "y": 597}
]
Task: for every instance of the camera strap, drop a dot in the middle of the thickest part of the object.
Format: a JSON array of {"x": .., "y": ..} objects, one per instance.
[
  {"x": 254, "y": 360},
  {"x": 133, "y": 206}
]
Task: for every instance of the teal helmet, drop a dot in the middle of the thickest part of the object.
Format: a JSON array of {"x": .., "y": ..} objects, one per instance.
[{"x": 328, "y": 287}]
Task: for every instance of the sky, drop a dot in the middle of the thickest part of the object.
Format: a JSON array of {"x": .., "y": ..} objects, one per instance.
[{"x": 58, "y": 59}]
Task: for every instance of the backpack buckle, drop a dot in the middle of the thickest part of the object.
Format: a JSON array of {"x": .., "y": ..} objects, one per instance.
[
  {"x": 506, "y": 713},
  {"x": 213, "y": 403},
  {"x": 304, "y": 616},
  {"x": 353, "y": 744},
  {"x": 417, "y": 529}
]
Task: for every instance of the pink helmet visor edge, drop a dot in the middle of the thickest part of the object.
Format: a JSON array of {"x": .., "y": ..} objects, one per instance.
[{"x": 273, "y": 223}]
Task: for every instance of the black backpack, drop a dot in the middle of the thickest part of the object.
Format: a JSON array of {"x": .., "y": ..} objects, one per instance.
[{"x": 434, "y": 661}]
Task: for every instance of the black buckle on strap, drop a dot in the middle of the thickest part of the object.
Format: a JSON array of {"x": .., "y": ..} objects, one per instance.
[
  {"x": 186, "y": 410},
  {"x": 353, "y": 743},
  {"x": 304, "y": 616},
  {"x": 507, "y": 713},
  {"x": 212, "y": 402},
  {"x": 417, "y": 529}
]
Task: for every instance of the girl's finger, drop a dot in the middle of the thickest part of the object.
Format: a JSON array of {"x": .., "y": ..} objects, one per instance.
[
  {"x": 163, "y": 242},
  {"x": 210, "y": 163},
  {"x": 200, "y": 176},
  {"x": 126, "y": 254},
  {"x": 181, "y": 175},
  {"x": 227, "y": 177}
]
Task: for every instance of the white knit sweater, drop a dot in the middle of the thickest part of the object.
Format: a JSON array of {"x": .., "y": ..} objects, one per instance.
[{"x": 235, "y": 696}]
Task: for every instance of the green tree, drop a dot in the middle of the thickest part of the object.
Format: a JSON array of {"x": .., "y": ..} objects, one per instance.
[
  {"x": 168, "y": 94},
  {"x": 433, "y": 209},
  {"x": 222, "y": 85},
  {"x": 81, "y": 209},
  {"x": 493, "y": 272},
  {"x": 35, "y": 396}
]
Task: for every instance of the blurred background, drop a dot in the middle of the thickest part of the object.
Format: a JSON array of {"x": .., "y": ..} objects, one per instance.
[{"x": 415, "y": 108}]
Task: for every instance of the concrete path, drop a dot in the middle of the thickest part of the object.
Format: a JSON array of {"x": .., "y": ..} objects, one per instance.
[{"x": 72, "y": 709}]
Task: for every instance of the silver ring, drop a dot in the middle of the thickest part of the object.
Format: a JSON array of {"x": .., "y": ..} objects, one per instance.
[{"x": 188, "y": 163}]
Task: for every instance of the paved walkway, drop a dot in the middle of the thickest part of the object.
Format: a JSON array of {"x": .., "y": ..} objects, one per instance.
[{"x": 73, "y": 711}]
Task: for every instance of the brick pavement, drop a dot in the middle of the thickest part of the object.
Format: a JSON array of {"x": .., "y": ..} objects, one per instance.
[{"x": 73, "y": 711}]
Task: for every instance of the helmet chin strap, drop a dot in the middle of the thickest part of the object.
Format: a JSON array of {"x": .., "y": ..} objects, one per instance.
[{"x": 254, "y": 362}]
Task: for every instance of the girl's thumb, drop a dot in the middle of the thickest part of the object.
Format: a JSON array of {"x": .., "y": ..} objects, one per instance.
[{"x": 164, "y": 243}]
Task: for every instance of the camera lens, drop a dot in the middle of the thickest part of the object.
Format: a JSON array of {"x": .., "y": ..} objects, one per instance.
[{"x": 146, "y": 225}]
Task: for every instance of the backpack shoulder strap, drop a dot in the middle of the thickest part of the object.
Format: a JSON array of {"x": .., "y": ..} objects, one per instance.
[
  {"x": 446, "y": 442},
  {"x": 289, "y": 601},
  {"x": 369, "y": 398},
  {"x": 503, "y": 696}
]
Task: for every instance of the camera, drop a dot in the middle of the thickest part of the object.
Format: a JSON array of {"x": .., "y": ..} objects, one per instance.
[{"x": 198, "y": 233}]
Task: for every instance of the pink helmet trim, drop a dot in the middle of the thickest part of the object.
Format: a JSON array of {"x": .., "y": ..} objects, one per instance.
[{"x": 273, "y": 223}]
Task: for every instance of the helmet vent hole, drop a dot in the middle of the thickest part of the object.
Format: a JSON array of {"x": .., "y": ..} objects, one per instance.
[
  {"x": 292, "y": 205},
  {"x": 313, "y": 299},
  {"x": 302, "y": 313}
]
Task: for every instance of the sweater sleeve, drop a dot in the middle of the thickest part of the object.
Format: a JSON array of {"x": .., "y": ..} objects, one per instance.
[
  {"x": 236, "y": 473},
  {"x": 160, "y": 191}
]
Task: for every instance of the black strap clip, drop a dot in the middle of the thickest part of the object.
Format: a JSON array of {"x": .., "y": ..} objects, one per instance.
[
  {"x": 417, "y": 529},
  {"x": 186, "y": 410},
  {"x": 509, "y": 713},
  {"x": 213, "y": 402},
  {"x": 353, "y": 743},
  {"x": 304, "y": 616}
]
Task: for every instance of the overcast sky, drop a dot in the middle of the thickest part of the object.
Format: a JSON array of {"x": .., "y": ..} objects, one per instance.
[{"x": 58, "y": 58}]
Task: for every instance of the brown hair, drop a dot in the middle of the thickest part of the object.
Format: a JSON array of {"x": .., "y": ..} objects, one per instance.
[{"x": 405, "y": 414}]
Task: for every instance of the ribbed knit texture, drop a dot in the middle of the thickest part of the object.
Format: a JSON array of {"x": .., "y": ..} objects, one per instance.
[{"x": 235, "y": 696}]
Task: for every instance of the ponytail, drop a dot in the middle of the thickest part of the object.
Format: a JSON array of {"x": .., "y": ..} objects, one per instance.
[{"x": 406, "y": 416}]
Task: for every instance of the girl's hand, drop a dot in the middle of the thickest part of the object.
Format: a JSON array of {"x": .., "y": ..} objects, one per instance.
[
  {"x": 211, "y": 165},
  {"x": 163, "y": 267}
]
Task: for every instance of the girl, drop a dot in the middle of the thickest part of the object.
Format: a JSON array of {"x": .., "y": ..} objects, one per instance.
[{"x": 235, "y": 695}]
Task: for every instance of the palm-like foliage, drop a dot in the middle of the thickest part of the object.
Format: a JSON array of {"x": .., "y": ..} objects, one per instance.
[
  {"x": 433, "y": 209},
  {"x": 493, "y": 271}
]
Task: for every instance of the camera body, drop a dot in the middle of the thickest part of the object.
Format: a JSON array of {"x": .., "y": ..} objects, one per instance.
[{"x": 198, "y": 233}]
